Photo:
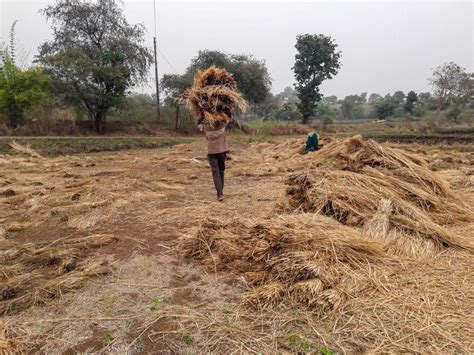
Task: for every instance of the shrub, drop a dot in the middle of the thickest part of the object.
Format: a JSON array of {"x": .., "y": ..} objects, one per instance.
[
  {"x": 453, "y": 113},
  {"x": 419, "y": 111},
  {"x": 20, "y": 90}
]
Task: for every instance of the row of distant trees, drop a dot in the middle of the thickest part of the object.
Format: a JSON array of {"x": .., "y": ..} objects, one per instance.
[
  {"x": 452, "y": 91},
  {"x": 96, "y": 58},
  {"x": 94, "y": 61}
]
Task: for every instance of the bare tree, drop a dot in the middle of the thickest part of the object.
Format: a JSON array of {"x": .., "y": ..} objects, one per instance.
[{"x": 451, "y": 85}]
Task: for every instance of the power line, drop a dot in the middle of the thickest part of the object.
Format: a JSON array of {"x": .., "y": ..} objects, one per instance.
[{"x": 167, "y": 61}]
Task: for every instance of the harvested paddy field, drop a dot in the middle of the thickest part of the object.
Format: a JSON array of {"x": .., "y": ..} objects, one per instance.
[{"x": 360, "y": 247}]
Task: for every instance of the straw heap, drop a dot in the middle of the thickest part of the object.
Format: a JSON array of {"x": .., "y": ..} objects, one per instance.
[
  {"x": 358, "y": 209},
  {"x": 305, "y": 258},
  {"x": 390, "y": 193},
  {"x": 37, "y": 272},
  {"x": 214, "y": 95}
]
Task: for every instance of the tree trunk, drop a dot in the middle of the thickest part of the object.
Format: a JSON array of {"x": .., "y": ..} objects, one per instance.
[
  {"x": 176, "y": 118},
  {"x": 98, "y": 117}
]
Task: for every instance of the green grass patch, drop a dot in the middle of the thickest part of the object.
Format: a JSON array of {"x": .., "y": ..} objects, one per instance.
[
  {"x": 107, "y": 336},
  {"x": 155, "y": 302},
  {"x": 186, "y": 337},
  {"x": 55, "y": 146},
  {"x": 298, "y": 343}
]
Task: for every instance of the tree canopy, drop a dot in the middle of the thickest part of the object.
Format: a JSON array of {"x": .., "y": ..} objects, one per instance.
[
  {"x": 451, "y": 84},
  {"x": 410, "y": 101},
  {"x": 250, "y": 73},
  {"x": 315, "y": 61},
  {"x": 20, "y": 89},
  {"x": 95, "y": 55}
]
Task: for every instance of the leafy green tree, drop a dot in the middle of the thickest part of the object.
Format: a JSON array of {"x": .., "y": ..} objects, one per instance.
[
  {"x": 419, "y": 111},
  {"x": 385, "y": 107},
  {"x": 20, "y": 89},
  {"x": 207, "y": 58},
  {"x": 289, "y": 112},
  {"x": 288, "y": 95},
  {"x": 373, "y": 98},
  {"x": 266, "y": 108},
  {"x": 95, "y": 55},
  {"x": 347, "y": 106},
  {"x": 351, "y": 107},
  {"x": 324, "y": 109},
  {"x": 250, "y": 73},
  {"x": 451, "y": 85},
  {"x": 252, "y": 77},
  {"x": 330, "y": 99},
  {"x": 398, "y": 99},
  {"x": 410, "y": 101},
  {"x": 316, "y": 60},
  {"x": 141, "y": 100},
  {"x": 423, "y": 97},
  {"x": 174, "y": 85},
  {"x": 426, "y": 102},
  {"x": 357, "y": 112},
  {"x": 273, "y": 105}
]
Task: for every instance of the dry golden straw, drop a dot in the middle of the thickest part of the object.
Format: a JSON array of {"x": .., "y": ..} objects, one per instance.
[
  {"x": 214, "y": 95},
  {"x": 24, "y": 150},
  {"x": 35, "y": 273},
  {"x": 303, "y": 258}
]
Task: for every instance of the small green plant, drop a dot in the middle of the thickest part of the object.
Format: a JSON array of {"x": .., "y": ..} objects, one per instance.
[
  {"x": 186, "y": 337},
  {"x": 107, "y": 336},
  {"x": 324, "y": 351},
  {"x": 226, "y": 311},
  {"x": 295, "y": 341},
  {"x": 155, "y": 302}
]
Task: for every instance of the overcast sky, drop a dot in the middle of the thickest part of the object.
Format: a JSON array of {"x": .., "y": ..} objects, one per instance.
[{"x": 386, "y": 46}]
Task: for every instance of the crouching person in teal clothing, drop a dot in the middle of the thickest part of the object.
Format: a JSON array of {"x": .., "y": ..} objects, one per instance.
[{"x": 312, "y": 142}]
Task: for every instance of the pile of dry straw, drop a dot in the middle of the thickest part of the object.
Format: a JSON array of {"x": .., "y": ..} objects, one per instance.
[
  {"x": 345, "y": 227},
  {"x": 390, "y": 193},
  {"x": 214, "y": 95},
  {"x": 37, "y": 272}
]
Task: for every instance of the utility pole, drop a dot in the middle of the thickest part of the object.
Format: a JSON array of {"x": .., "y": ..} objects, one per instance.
[
  {"x": 157, "y": 84},
  {"x": 156, "y": 68}
]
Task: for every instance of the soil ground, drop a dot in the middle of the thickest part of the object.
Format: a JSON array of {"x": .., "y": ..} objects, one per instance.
[{"x": 155, "y": 301}]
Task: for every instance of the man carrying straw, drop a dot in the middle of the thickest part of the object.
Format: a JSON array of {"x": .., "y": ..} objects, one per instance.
[
  {"x": 212, "y": 98},
  {"x": 216, "y": 152}
]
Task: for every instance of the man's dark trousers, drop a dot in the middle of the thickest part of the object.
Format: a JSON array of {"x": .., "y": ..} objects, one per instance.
[{"x": 217, "y": 163}]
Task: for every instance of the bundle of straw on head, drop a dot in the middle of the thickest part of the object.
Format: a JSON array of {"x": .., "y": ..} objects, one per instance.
[{"x": 214, "y": 95}]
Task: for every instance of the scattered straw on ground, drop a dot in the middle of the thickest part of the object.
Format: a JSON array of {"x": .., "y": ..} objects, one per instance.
[
  {"x": 37, "y": 272},
  {"x": 24, "y": 150},
  {"x": 348, "y": 284}
]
